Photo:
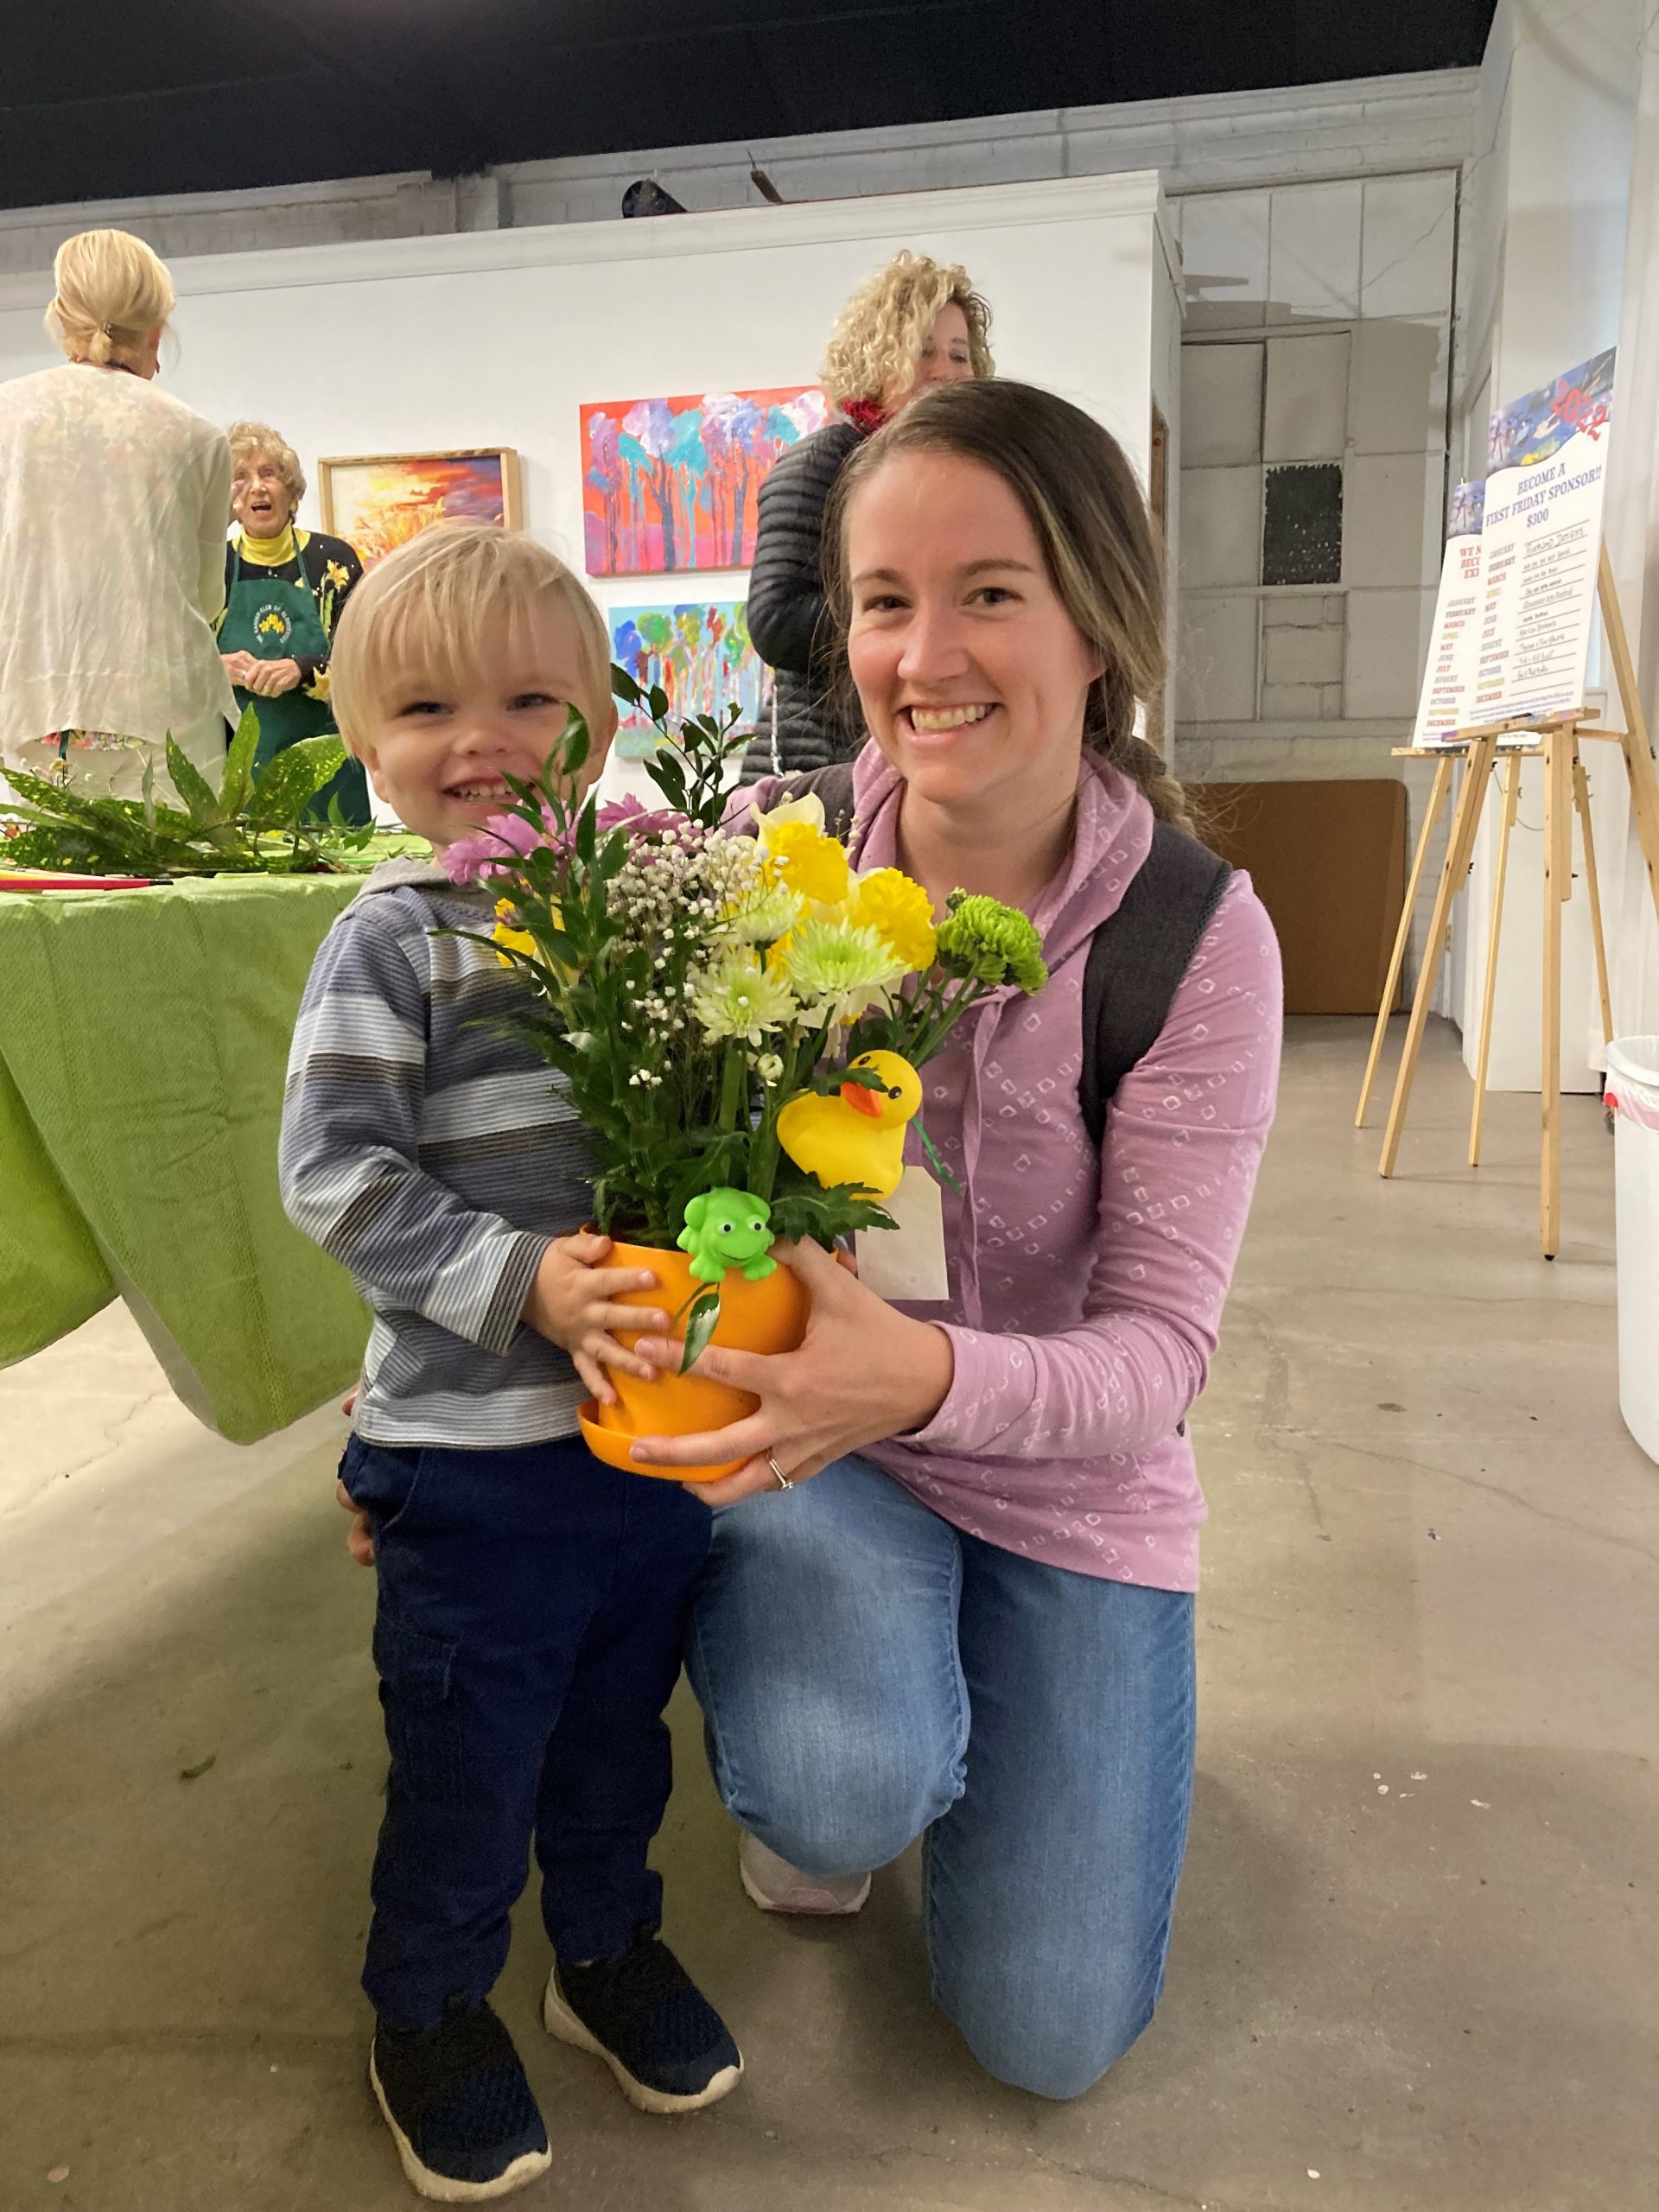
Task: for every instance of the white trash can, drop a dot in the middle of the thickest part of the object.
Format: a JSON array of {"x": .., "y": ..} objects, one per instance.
[{"x": 1633, "y": 1094}]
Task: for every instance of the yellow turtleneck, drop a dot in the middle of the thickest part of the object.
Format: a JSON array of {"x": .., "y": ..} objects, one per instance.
[{"x": 272, "y": 552}]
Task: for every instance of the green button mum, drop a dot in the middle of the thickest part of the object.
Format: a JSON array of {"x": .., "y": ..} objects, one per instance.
[{"x": 994, "y": 944}]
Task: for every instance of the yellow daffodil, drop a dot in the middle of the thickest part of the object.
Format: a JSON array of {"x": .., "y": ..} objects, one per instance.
[
  {"x": 808, "y": 808},
  {"x": 509, "y": 938},
  {"x": 511, "y": 941},
  {"x": 802, "y": 858},
  {"x": 897, "y": 908}
]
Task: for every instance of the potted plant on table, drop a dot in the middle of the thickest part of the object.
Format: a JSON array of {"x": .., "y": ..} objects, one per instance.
[
  {"x": 261, "y": 821},
  {"x": 738, "y": 1017}
]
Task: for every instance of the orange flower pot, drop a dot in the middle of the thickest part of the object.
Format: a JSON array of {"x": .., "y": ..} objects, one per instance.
[{"x": 769, "y": 1316}]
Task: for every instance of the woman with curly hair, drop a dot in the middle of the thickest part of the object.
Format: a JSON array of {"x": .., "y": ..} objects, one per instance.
[
  {"x": 285, "y": 589},
  {"x": 918, "y": 322}
]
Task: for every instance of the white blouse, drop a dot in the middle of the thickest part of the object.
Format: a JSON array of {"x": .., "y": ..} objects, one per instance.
[{"x": 114, "y": 505}]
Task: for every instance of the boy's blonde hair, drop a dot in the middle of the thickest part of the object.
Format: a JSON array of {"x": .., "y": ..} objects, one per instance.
[
  {"x": 251, "y": 442},
  {"x": 111, "y": 292},
  {"x": 426, "y": 606},
  {"x": 878, "y": 334}
]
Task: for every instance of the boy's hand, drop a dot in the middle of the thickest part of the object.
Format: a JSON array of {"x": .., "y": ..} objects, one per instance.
[
  {"x": 360, "y": 1537},
  {"x": 570, "y": 1305}
]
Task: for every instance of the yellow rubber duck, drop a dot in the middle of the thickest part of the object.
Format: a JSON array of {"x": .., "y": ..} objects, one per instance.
[{"x": 858, "y": 1136}]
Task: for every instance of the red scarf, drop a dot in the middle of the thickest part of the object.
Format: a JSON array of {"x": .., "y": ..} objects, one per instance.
[{"x": 866, "y": 415}]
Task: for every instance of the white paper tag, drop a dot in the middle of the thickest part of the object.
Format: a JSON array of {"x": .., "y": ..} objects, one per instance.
[{"x": 908, "y": 1262}]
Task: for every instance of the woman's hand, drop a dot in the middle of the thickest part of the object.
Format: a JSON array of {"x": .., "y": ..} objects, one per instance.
[
  {"x": 863, "y": 1371},
  {"x": 269, "y": 679},
  {"x": 236, "y": 667}
]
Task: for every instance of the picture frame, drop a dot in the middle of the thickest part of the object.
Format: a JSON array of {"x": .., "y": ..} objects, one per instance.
[
  {"x": 377, "y": 501},
  {"x": 670, "y": 484}
]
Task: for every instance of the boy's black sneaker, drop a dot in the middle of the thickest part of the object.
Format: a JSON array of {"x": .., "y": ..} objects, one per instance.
[
  {"x": 459, "y": 2108},
  {"x": 647, "y": 2019}
]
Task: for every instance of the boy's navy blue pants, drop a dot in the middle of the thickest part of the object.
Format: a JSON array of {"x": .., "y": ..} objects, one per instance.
[{"x": 527, "y": 1640}]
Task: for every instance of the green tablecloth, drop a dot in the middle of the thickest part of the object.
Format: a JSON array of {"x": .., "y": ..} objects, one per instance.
[{"x": 144, "y": 1036}]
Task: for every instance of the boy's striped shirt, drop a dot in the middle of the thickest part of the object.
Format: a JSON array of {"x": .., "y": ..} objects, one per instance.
[{"x": 427, "y": 1147}]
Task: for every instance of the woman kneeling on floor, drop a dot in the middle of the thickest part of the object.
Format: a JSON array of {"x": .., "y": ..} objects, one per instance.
[{"x": 974, "y": 1622}]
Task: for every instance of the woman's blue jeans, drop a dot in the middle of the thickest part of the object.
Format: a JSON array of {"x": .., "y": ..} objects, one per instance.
[{"x": 868, "y": 1673}]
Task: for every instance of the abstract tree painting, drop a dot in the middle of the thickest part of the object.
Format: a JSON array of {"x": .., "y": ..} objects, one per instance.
[
  {"x": 698, "y": 653},
  {"x": 379, "y": 502},
  {"x": 671, "y": 484}
]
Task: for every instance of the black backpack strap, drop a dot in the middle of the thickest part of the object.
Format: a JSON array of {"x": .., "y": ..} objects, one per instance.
[
  {"x": 1137, "y": 959},
  {"x": 834, "y": 785}
]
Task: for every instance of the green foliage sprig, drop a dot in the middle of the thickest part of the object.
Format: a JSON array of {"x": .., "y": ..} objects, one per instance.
[{"x": 258, "y": 822}]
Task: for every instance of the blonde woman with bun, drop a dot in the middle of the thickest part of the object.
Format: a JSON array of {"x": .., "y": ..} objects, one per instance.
[
  {"x": 916, "y": 323},
  {"x": 114, "y": 500}
]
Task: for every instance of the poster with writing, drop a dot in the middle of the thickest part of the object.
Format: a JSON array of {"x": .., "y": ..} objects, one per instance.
[
  {"x": 1448, "y": 697},
  {"x": 1547, "y": 467}
]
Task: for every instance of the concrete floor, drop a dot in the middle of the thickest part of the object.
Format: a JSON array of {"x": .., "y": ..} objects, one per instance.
[{"x": 1413, "y": 1958}]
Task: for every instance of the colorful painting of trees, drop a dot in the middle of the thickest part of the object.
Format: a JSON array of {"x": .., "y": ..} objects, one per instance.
[
  {"x": 671, "y": 484},
  {"x": 699, "y": 653}
]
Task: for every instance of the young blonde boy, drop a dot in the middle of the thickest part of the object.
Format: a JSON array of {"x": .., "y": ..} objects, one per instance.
[{"x": 530, "y": 1600}]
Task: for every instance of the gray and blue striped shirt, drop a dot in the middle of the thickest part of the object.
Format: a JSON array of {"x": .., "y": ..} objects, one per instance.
[{"x": 427, "y": 1147}]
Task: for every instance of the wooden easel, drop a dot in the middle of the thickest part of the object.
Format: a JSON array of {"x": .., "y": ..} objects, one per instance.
[{"x": 1554, "y": 739}]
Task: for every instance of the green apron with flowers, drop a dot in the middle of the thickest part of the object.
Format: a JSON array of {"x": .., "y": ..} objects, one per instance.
[{"x": 274, "y": 619}]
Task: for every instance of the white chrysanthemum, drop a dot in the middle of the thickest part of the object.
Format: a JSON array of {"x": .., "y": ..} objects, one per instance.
[
  {"x": 838, "y": 971},
  {"x": 738, "y": 999},
  {"x": 764, "y": 916}
]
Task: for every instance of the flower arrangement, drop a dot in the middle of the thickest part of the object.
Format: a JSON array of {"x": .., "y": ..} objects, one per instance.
[
  {"x": 689, "y": 983},
  {"x": 738, "y": 1017}
]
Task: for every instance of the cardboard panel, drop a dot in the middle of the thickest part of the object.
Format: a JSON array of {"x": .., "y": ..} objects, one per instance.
[{"x": 1328, "y": 860}]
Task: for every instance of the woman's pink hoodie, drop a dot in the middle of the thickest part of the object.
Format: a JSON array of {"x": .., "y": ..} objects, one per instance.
[{"x": 1086, "y": 1287}]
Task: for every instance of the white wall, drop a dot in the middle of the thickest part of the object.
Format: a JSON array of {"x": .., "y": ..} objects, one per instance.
[
  {"x": 1547, "y": 197},
  {"x": 498, "y": 337}
]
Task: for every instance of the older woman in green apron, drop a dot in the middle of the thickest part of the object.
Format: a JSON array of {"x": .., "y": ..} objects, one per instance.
[{"x": 284, "y": 589}]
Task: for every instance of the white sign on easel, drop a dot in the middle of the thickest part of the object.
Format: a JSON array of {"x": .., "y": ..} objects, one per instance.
[
  {"x": 1540, "y": 540},
  {"x": 1449, "y": 696}
]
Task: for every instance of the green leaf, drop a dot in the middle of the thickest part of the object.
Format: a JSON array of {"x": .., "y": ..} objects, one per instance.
[
  {"x": 289, "y": 782},
  {"x": 577, "y": 745},
  {"x": 192, "y": 1773},
  {"x": 665, "y": 772},
  {"x": 657, "y": 703},
  {"x": 803, "y": 1209},
  {"x": 625, "y": 687},
  {"x": 700, "y": 1325},
  {"x": 192, "y": 787},
  {"x": 237, "y": 780},
  {"x": 933, "y": 1160}
]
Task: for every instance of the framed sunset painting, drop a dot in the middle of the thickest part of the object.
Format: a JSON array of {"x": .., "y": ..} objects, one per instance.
[{"x": 377, "y": 501}]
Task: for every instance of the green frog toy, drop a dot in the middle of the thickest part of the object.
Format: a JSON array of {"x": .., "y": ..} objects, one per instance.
[{"x": 728, "y": 1228}]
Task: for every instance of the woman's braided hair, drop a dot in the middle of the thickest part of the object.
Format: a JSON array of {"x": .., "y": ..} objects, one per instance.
[{"x": 1098, "y": 541}]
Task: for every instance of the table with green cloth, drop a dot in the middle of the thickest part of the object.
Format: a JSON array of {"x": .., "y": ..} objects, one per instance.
[{"x": 143, "y": 1039}]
